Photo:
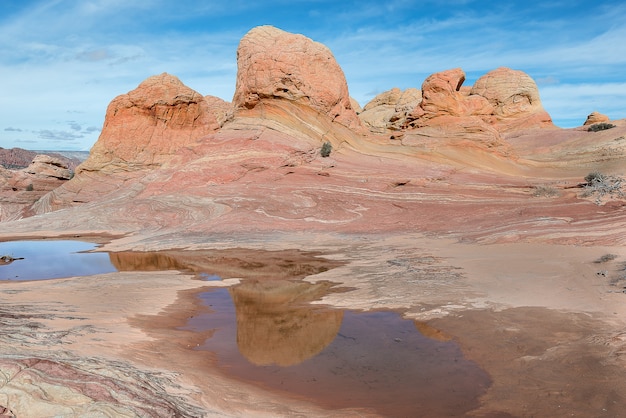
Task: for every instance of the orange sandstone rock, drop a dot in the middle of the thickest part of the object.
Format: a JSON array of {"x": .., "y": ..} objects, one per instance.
[
  {"x": 273, "y": 64},
  {"x": 595, "y": 117},
  {"x": 144, "y": 127},
  {"x": 389, "y": 109},
  {"x": 514, "y": 97},
  {"x": 442, "y": 95}
]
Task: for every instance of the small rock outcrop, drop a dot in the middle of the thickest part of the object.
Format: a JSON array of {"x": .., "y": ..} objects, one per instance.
[
  {"x": 144, "y": 127},
  {"x": 595, "y": 117},
  {"x": 47, "y": 166},
  {"x": 44, "y": 173},
  {"x": 273, "y": 64},
  {"x": 21, "y": 188},
  {"x": 389, "y": 109},
  {"x": 18, "y": 158}
]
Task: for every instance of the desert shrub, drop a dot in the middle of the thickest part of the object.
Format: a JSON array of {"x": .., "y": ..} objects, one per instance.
[
  {"x": 326, "y": 149},
  {"x": 600, "y": 126},
  {"x": 594, "y": 177},
  {"x": 601, "y": 185},
  {"x": 545, "y": 191},
  {"x": 605, "y": 258},
  {"x": 29, "y": 188}
]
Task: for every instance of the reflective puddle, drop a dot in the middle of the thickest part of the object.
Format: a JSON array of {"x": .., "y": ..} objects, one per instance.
[
  {"x": 51, "y": 259},
  {"x": 266, "y": 332}
]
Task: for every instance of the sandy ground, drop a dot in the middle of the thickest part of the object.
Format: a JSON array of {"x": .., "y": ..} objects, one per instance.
[{"x": 544, "y": 321}]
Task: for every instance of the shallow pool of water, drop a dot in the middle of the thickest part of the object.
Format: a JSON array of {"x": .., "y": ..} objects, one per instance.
[
  {"x": 266, "y": 331},
  {"x": 338, "y": 359},
  {"x": 52, "y": 259}
]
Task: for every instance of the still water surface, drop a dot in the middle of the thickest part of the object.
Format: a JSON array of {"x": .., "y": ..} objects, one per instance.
[
  {"x": 267, "y": 333},
  {"x": 52, "y": 259},
  {"x": 376, "y": 361}
]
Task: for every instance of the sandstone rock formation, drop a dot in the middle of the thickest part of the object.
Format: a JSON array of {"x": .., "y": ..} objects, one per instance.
[
  {"x": 442, "y": 95},
  {"x": 501, "y": 101},
  {"x": 273, "y": 64},
  {"x": 47, "y": 166},
  {"x": 389, "y": 109},
  {"x": 514, "y": 97},
  {"x": 146, "y": 126},
  {"x": 595, "y": 117},
  {"x": 21, "y": 188},
  {"x": 45, "y": 173},
  {"x": 18, "y": 158},
  {"x": 449, "y": 110}
]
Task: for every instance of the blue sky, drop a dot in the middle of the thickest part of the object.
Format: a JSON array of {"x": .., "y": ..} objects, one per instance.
[{"x": 63, "y": 61}]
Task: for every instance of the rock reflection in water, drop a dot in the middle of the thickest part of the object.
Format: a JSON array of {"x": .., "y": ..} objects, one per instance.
[
  {"x": 145, "y": 261},
  {"x": 265, "y": 333},
  {"x": 276, "y": 326}
]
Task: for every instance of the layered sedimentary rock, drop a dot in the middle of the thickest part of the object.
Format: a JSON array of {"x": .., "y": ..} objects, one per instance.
[
  {"x": 514, "y": 97},
  {"x": 273, "y": 64},
  {"x": 47, "y": 166},
  {"x": 500, "y": 101},
  {"x": 18, "y": 158},
  {"x": 146, "y": 126},
  {"x": 442, "y": 96},
  {"x": 595, "y": 117},
  {"x": 21, "y": 188},
  {"x": 448, "y": 110},
  {"x": 389, "y": 109}
]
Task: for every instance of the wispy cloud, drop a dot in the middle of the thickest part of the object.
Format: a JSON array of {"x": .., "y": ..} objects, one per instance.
[{"x": 56, "y": 135}]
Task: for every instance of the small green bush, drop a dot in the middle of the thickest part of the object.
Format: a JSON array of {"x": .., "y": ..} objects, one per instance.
[
  {"x": 326, "y": 149},
  {"x": 29, "y": 188},
  {"x": 600, "y": 126}
]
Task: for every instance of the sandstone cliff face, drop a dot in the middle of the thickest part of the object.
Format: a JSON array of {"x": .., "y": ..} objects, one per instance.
[
  {"x": 144, "y": 127},
  {"x": 273, "y": 64}
]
